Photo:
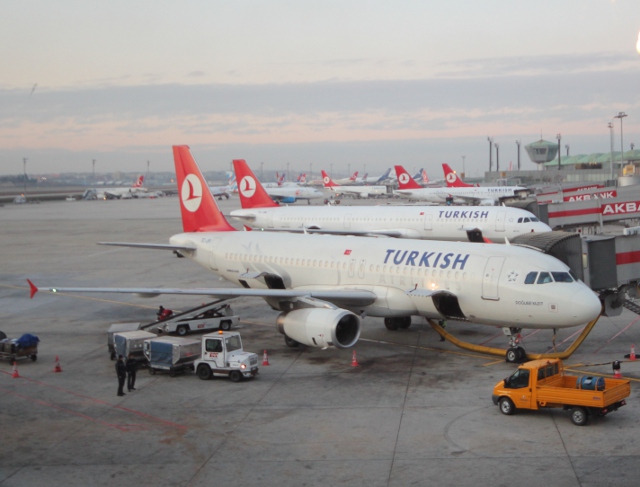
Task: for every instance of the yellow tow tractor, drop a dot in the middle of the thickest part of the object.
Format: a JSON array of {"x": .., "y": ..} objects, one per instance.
[{"x": 544, "y": 384}]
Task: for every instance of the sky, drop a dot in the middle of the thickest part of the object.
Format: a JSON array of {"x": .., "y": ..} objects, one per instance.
[{"x": 348, "y": 85}]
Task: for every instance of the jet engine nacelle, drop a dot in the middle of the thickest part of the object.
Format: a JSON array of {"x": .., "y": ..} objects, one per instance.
[{"x": 321, "y": 327}]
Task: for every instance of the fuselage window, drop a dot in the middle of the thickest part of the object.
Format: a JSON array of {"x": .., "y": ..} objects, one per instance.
[
  {"x": 531, "y": 278},
  {"x": 544, "y": 278}
]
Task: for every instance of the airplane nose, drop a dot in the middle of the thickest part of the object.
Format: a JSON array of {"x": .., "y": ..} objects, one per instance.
[{"x": 586, "y": 306}]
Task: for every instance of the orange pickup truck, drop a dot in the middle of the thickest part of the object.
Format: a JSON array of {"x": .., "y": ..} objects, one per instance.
[{"x": 543, "y": 384}]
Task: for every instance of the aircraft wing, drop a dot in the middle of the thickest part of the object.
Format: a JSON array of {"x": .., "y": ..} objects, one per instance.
[
  {"x": 150, "y": 246},
  {"x": 368, "y": 233},
  {"x": 353, "y": 297}
]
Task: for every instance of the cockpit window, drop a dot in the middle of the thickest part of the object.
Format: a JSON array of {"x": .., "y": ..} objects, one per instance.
[
  {"x": 534, "y": 219},
  {"x": 531, "y": 278},
  {"x": 544, "y": 278},
  {"x": 562, "y": 277}
]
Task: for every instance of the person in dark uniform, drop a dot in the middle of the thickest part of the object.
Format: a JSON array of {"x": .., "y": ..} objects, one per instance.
[
  {"x": 132, "y": 367},
  {"x": 121, "y": 371}
]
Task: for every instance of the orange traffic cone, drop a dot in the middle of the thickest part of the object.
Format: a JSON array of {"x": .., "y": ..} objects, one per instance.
[
  {"x": 57, "y": 368},
  {"x": 632, "y": 355},
  {"x": 265, "y": 358},
  {"x": 354, "y": 360},
  {"x": 15, "y": 374}
]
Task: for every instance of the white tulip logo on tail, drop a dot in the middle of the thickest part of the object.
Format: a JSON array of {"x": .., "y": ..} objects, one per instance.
[
  {"x": 326, "y": 180},
  {"x": 191, "y": 192},
  {"x": 451, "y": 177},
  {"x": 247, "y": 186},
  {"x": 404, "y": 178}
]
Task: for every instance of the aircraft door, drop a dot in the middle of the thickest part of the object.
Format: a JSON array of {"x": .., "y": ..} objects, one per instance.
[
  {"x": 500, "y": 221},
  {"x": 347, "y": 221},
  {"x": 352, "y": 268},
  {"x": 362, "y": 268},
  {"x": 428, "y": 221},
  {"x": 491, "y": 277},
  {"x": 213, "y": 265}
]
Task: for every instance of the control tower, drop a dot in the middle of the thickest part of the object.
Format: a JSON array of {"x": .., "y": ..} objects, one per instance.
[{"x": 542, "y": 151}]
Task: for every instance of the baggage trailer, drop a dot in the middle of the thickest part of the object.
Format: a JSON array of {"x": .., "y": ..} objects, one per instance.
[
  {"x": 116, "y": 328},
  {"x": 12, "y": 349},
  {"x": 544, "y": 384},
  {"x": 173, "y": 354},
  {"x": 130, "y": 343}
]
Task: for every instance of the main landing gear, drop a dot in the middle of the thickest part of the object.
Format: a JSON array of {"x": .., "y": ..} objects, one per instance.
[{"x": 402, "y": 322}]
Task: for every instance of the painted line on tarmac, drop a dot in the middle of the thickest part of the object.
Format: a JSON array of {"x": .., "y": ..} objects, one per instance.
[{"x": 618, "y": 334}]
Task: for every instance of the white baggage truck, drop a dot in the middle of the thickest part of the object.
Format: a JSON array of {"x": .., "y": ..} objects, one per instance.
[
  {"x": 222, "y": 356},
  {"x": 172, "y": 354},
  {"x": 130, "y": 343},
  {"x": 213, "y": 316}
]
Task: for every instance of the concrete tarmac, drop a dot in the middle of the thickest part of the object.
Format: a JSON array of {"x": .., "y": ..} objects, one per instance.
[{"x": 415, "y": 411}]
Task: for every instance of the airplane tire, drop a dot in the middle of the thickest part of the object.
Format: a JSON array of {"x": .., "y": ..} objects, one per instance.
[
  {"x": 391, "y": 324},
  {"x": 506, "y": 406},
  {"x": 204, "y": 372},
  {"x": 404, "y": 322},
  {"x": 512, "y": 355},
  {"x": 579, "y": 416},
  {"x": 522, "y": 355}
]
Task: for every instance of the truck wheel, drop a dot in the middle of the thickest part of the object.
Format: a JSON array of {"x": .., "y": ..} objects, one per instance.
[
  {"x": 182, "y": 330},
  {"x": 34, "y": 358},
  {"x": 290, "y": 342},
  {"x": 172, "y": 372},
  {"x": 225, "y": 325},
  {"x": 506, "y": 406},
  {"x": 579, "y": 416},
  {"x": 204, "y": 372},
  {"x": 235, "y": 376}
]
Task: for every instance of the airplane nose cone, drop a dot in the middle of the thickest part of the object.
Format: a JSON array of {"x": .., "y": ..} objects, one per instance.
[{"x": 586, "y": 306}]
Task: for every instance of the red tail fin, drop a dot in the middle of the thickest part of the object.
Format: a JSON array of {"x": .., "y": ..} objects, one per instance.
[
  {"x": 200, "y": 213},
  {"x": 405, "y": 181},
  {"x": 354, "y": 176},
  {"x": 453, "y": 181},
  {"x": 138, "y": 183},
  {"x": 252, "y": 194},
  {"x": 327, "y": 181}
]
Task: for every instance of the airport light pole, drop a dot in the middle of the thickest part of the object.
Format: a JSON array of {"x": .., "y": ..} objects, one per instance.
[
  {"x": 518, "y": 144},
  {"x": 620, "y": 115},
  {"x": 610, "y": 125},
  {"x": 559, "y": 137},
  {"x": 490, "y": 139},
  {"x": 24, "y": 170},
  {"x": 567, "y": 147},
  {"x": 497, "y": 146}
]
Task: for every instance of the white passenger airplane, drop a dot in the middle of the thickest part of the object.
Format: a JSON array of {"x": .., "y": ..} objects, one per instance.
[
  {"x": 284, "y": 194},
  {"x": 226, "y": 191},
  {"x": 422, "y": 222},
  {"x": 483, "y": 195},
  {"x": 353, "y": 190},
  {"x": 324, "y": 284},
  {"x": 119, "y": 193}
]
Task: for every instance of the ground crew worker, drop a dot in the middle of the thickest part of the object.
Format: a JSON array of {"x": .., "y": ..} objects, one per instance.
[
  {"x": 121, "y": 371},
  {"x": 132, "y": 367}
]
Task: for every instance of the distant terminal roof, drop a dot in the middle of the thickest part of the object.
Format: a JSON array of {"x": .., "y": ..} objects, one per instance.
[{"x": 595, "y": 158}]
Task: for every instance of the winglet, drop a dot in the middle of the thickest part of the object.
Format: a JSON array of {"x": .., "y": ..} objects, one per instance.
[{"x": 33, "y": 288}]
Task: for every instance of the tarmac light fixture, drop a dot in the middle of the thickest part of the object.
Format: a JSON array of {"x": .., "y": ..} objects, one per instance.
[{"x": 620, "y": 115}]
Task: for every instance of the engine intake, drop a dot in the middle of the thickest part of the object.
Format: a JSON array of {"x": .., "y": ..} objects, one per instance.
[{"x": 320, "y": 327}]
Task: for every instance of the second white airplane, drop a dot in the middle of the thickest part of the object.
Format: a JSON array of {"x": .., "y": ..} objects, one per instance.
[{"x": 423, "y": 222}]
